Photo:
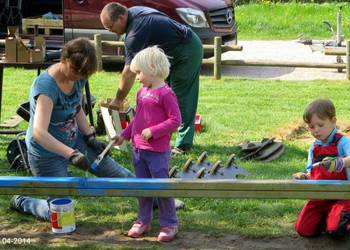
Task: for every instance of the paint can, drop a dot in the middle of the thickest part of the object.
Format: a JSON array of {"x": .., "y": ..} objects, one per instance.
[{"x": 62, "y": 215}]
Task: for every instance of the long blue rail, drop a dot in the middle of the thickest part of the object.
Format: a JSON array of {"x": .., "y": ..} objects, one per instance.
[{"x": 137, "y": 187}]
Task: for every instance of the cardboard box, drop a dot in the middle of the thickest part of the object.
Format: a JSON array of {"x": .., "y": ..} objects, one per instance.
[
  {"x": 39, "y": 42},
  {"x": 23, "y": 52},
  {"x": 37, "y": 55},
  {"x": 39, "y": 45},
  {"x": 11, "y": 49}
]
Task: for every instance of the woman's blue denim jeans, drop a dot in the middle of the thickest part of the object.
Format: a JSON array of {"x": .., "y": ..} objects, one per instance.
[{"x": 58, "y": 167}]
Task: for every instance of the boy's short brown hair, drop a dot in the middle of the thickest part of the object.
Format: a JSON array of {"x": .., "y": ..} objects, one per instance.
[{"x": 323, "y": 108}]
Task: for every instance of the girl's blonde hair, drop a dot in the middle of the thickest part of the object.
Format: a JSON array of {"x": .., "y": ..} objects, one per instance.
[{"x": 151, "y": 61}]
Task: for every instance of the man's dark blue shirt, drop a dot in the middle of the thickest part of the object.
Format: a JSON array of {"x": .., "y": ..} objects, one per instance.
[{"x": 147, "y": 27}]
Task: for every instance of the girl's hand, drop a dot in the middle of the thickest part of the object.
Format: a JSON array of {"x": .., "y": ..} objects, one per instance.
[{"x": 146, "y": 134}]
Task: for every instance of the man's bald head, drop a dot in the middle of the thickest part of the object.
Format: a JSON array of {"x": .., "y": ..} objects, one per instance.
[{"x": 114, "y": 18}]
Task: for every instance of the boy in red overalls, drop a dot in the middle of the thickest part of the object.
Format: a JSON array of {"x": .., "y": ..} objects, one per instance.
[{"x": 333, "y": 151}]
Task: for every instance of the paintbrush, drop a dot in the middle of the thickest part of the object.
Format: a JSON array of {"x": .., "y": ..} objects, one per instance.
[
  {"x": 101, "y": 156},
  {"x": 323, "y": 161}
]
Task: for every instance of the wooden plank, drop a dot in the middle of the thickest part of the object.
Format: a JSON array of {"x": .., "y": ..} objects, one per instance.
[
  {"x": 107, "y": 120},
  {"x": 224, "y": 48},
  {"x": 138, "y": 187},
  {"x": 113, "y": 59},
  {"x": 117, "y": 127},
  {"x": 112, "y": 124},
  {"x": 206, "y": 47},
  {"x": 271, "y": 63},
  {"x": 176, "y": 193},
  {"x": 42, "y": 22},
  {"x": 335, "y": 51},
  {"x": 42, "y": 30}
]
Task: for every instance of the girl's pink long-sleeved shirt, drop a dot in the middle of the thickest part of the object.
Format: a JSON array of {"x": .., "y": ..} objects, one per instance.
[{"x": 158, "y": 110}]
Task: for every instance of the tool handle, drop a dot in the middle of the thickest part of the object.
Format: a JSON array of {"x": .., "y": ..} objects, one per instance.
[
  {"x": 104, "y": 152},
  {"x": 323, "y": 161}
]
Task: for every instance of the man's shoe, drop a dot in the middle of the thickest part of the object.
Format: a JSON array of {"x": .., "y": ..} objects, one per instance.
[
  {"x": 138, "y": 229},
  {"x": 179, "y": 151},
  {"x": 179, "y": 204},
  {"x": 167, "y": 234}
]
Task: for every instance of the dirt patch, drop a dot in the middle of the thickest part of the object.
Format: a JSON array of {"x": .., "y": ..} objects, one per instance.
[
  {"x": 185, "y": 240},
  {"x": 297, "y": 130}
]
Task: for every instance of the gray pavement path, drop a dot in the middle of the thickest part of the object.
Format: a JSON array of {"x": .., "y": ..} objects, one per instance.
[{"x": 278, "y": 50}]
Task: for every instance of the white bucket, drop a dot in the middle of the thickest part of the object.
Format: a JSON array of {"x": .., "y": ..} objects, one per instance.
[{"x": 62, "y": 215}]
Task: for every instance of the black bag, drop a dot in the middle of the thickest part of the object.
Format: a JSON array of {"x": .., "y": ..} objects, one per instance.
[{"x": 17, "y": 155}]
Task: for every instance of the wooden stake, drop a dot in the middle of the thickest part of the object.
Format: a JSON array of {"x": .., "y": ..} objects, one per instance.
[
  {"x": 98, "y": 46},
  {"x": 217, "y": 58},
  {"x": 348, "y": 59}
]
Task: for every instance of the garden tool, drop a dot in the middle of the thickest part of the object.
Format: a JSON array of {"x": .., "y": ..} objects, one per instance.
[
  {"x": 323, "y": 161},
  {"x": 257, "y": 147},
  {"x": 231, "y": 170},
  {"x": 101, "y": 156},
  {"x": 266, "y": 150},
  {"x": 202, "y": 162},
  {"x": 188, "y": 172},
  {"x": 173, "y": 172},
  {"x": 214, "y": 172},
  {"x": 270, "y": 152}
]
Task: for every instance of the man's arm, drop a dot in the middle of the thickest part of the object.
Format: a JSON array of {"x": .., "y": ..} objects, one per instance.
[{"x": 125, "y": 84}]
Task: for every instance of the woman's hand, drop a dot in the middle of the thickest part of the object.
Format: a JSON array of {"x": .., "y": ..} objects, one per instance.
[
  {"x": 93, "y": 143},
  {"x": 79, "y": 160},
  {"x": 300, "y": 176}
]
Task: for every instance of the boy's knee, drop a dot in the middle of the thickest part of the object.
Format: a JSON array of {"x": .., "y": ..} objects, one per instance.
[
  {"x": 304, "y": 231},
  {"x": 343, "y": 226}
]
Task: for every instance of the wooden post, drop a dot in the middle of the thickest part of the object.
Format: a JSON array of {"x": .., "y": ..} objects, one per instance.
[
  {"x": 217, "y": 58},
  {"x": 348, "y": 59},
  {"x": 98, "y": 46}
]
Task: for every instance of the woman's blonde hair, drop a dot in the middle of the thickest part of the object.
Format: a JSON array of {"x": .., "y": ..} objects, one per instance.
[{"x": 151, "y": 61}]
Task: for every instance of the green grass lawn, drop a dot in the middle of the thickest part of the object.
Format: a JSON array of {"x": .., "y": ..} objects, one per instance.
[
  {"x": 288, "y": 21},
  {"x": 232, "y": 109}
]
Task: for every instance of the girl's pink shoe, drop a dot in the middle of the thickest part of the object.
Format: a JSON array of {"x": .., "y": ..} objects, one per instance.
[
  {"x": 167, "y": 233},
  {"x": 138, "y": 229}
]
